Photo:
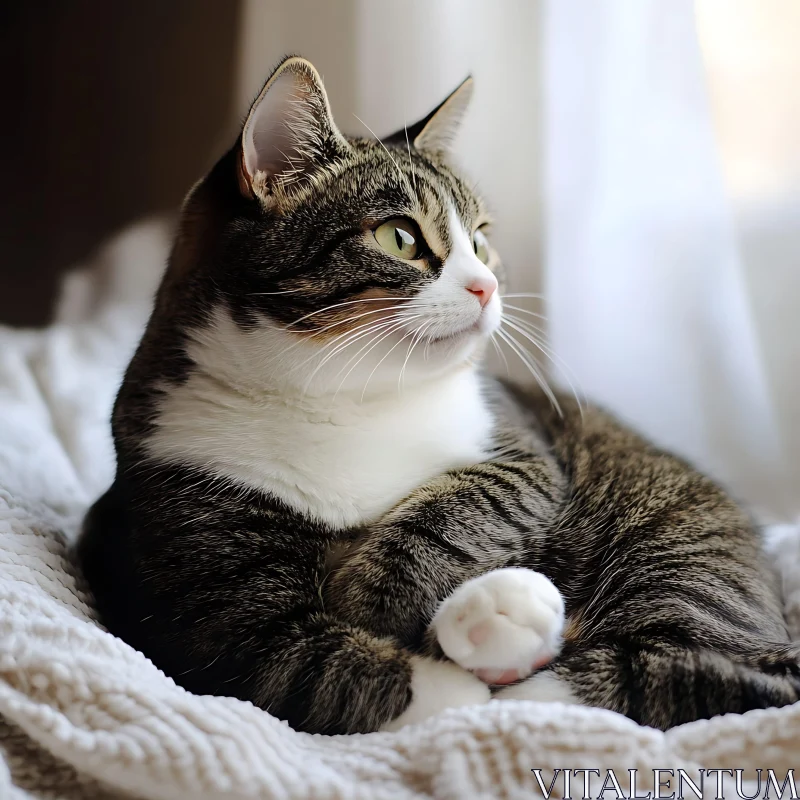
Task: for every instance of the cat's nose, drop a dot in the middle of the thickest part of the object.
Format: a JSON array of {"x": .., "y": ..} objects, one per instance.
[{"x": 483, "y": 288}]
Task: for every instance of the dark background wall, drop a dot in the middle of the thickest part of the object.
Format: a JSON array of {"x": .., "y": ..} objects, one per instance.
[{"x": 110, "y": 110}]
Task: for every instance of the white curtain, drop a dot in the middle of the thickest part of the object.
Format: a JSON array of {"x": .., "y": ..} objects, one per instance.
[{"x": 661, "y": 298}]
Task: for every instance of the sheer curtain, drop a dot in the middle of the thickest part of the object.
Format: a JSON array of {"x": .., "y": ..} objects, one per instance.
[{"x": 668, "y": 300}]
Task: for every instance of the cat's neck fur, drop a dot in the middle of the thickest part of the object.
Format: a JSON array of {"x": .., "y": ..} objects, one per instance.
[{"x": 343, "y": 460}]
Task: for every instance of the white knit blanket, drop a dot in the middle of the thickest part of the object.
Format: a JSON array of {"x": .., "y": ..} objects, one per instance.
[{"x": 84, "y": 715}]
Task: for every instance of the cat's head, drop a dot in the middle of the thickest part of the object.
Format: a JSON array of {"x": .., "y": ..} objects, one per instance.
[{"x": 328, "y": 263}]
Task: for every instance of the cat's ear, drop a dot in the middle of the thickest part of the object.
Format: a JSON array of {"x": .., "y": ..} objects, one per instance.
[
  {"x": 436, "y": 133},
  {"x": 289, "y": 133}
]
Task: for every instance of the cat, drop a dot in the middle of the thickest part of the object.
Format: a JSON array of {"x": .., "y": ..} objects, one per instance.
[{"x": 324, "y": 506}]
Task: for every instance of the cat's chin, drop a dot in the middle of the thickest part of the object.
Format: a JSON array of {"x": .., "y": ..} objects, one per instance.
[
  {"x": 457, "y": 337},
  {"x": 448, "y": 353},
  {"x": 482, "y": 328},
  {"x": 462, "y": 344}
]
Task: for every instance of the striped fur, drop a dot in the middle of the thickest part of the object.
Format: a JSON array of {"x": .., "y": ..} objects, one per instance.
[{"x": 237, "y": 550}]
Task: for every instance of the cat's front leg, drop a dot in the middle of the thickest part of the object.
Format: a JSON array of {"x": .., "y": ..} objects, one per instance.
[
  {"x": 459, "y": 526},
  {"x": 502, "y": 625}
]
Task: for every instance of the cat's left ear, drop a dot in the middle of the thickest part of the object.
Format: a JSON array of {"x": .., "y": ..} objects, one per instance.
[
  {"x": 436, "y": 132},
  {"x": 289, "y": 134}
]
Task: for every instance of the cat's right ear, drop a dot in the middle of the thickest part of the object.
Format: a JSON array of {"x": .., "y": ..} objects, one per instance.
[{"x": 289, "y": 134}]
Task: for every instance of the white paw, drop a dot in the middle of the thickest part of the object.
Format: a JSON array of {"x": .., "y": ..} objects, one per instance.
[
  {"x": 436, "y": 686},
  {"x": 502, "y": 625},
  {"x": 544, "y": 687}
]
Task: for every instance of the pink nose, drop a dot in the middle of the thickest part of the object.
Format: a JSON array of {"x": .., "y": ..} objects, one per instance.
[{"x": 483, "y": 289}]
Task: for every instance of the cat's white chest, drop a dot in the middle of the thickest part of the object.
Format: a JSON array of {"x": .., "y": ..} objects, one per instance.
[
  {"x": 357, "y": 470},
  {"x": 344, "y": 465}
]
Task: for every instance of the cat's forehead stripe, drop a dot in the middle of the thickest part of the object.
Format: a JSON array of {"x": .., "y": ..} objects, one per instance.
[{"x": 418, "y": 184}]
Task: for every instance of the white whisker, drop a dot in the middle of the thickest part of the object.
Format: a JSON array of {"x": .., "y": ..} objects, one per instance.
[
  {"x": 347, "y": 338},
  {"x": 266, "y": 294},
  {"x": 310, "y": 334},
  {"x": 316, "y": 331},
  {"x": 501, "y": 354},
  {"x": 388, "y": 353},
  {"x": 525, "y": 328},
  {"x": 347, "y": 303},
  {"x": 369, "y": 347},
  {"x": 525, "y": 311},
  {"x": 410, "y": 159},
  {"x": 395, "y": 320},
  {"x": 417, "y": 338},
  {"x": 532, "y": 295},
  {"x": 370, "y": 325},
  {"x": 530, "y": 363},
  {"x": 396, "y": 166},
  {"x": 341, "y": 347}
]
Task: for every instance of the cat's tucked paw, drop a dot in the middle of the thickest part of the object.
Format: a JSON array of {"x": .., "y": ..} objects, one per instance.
[
  {"x": 502, "y": 625},
  {"x": 436, "y": 686}
]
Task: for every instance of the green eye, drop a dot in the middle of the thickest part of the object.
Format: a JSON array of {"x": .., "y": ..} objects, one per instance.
[
  {"x": 399, "y": 237},
  {"x": 480, "y": 244}
]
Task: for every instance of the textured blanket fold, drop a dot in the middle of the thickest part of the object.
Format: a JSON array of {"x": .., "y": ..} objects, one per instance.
[{"x": 84, "y": 715}]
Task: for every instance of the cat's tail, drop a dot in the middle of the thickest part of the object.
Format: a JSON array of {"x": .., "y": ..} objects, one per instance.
[{"x": 666, "y": 686}]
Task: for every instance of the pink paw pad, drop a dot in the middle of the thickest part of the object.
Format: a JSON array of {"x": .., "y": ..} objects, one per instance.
[
  {"x": 478, "y": 634},
  {"x": 497, "y": 677}
]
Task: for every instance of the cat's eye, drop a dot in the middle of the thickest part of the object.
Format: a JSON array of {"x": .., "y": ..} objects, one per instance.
[
  {"x": 400, "y": 238},
  {"x": 480, "y": 244}
]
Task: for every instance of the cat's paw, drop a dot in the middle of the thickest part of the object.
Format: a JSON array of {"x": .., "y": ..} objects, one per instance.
[
  {"x": 502, "y": 625},
  {"x": 435, "y": 687}
]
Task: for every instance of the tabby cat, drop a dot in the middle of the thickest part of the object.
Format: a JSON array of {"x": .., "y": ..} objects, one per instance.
[{"x": 324, "y": 507}]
